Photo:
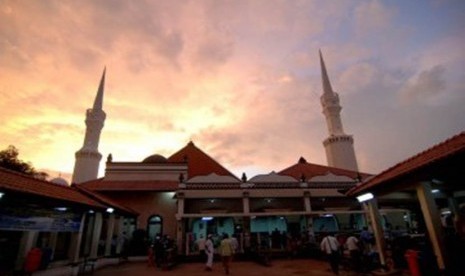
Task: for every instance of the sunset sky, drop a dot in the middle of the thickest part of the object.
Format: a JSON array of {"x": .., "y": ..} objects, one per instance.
[{"x": 239, "y": 78}]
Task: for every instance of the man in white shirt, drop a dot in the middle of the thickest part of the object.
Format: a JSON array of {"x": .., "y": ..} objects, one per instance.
[
  {"x": 209, "y": 250},
  {"x": 330, "y": 246},
  {"x": 352, "y": 244}
]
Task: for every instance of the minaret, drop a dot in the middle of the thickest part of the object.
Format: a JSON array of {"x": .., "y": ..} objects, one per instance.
[
  {"x": 88, "y": 158},
  {"x": 339, "y": 146}
]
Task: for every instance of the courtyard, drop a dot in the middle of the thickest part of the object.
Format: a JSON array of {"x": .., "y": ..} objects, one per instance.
[{"x": 277, "y": 268}]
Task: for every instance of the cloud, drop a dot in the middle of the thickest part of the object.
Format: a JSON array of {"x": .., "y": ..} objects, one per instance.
[
  {"x": 372, "y": 16},
  {"x": 425, "y": 87}
]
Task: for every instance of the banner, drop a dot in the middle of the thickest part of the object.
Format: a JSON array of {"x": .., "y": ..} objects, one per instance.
[{"x": 27, "y": 219}]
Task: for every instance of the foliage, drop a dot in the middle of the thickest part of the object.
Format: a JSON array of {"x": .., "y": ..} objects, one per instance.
[{"x": 9, "y": 160}]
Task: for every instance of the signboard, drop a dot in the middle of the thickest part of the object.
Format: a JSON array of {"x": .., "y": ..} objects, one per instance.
[{"x": 46, "y": 220}]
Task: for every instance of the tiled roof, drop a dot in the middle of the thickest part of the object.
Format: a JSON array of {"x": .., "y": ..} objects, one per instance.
[
  {"x": 131, "y": 185},
  {"x": 199, "y": 163},
  {"x": 437, "y": 153},
  {"x": 310, "y": 170},
  {"x": 17, "y": 182},
  {"x": 104, "y": 199}
]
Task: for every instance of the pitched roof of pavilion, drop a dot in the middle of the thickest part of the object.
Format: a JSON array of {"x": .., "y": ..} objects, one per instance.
[
  {"x": 20, "y": 183},
  {"x": 199, "y": 163},
  {"x": 420, "y": 163},
  {"x": 308, "y": 170}
]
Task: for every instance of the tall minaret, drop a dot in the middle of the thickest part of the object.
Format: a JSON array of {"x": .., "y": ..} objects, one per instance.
[
  {"x": 88, "y": 158},
  {"x": 339, "y": 146}
]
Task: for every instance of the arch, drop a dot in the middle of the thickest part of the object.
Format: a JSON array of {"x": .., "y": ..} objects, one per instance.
[{"x": 154, "y": 226}]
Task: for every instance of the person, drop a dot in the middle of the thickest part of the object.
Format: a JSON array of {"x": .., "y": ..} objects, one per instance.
[
  {"x": 234, "y": 243},
  {"x": 209, "y": 250},
  {"x": 159, "y": 250},
  {"x": 352, "y": 244},
  {"x": 200, "y": 242},
  {"x": 226, "y": 252},
  {"x": 330, "y": 246}
]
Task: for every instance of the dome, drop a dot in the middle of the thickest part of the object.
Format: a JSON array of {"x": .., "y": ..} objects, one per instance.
[
  {"x": 155, "y": 158},
  {"x": 60, "y": 181}
]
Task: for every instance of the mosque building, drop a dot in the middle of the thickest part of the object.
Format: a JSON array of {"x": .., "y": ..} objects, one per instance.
[{"x": 189, "y": 194}]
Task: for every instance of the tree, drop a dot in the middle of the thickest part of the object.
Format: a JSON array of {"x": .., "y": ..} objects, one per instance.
[{"x": 9, "y": 160}]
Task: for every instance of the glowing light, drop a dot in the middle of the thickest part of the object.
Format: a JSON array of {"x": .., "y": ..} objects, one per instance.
[
  {"x": 2, "y": 194},
  {"x": 434, "y": 191},
  {"x": 61, "y": 209},
  {"x": 365, "y": 197},
  {"x": 110, "y": 210},
  {"x": 207, "y": 218}
]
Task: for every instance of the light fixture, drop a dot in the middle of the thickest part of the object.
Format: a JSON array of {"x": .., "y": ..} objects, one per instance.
[
  {"x": 268, "y": 200},
  {"x": 328, "y": 215},
  {"x": 61, "y": 209},
  {"x": 434, "y": 191},
  {"x": 365, "y": 197},
  {"x": 437, "y": 181},
  {"x": 91, "y": 211},
  {"x": 447, "y": 212},
  {"x": 110, "y": 210},
  {"x": 207, "y": 218},
  {"x": 212, "y": 200},
  {"x": 2, "y": 194},
  {"x": 281, "y": 217}
]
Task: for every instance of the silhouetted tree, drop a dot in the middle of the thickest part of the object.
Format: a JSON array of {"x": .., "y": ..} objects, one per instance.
[{"x": 9, "y": 160}]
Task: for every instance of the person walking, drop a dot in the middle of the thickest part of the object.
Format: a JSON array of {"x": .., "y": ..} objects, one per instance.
[
  {"x": 352, "y": 244},
  {"x": 226, "y": 251},
  {"x": 209, "y": 250},
  {"x": 330, "y": 246}
]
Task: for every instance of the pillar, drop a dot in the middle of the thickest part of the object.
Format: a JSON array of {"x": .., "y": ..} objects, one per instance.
[
  {"x": 245, "y": 203},
  {"x": 309, "y": 218},
  {"x": 28, "y": 241},
  {"x": 96, "y": 235},
  {"x": 180, "y": 223},
  {"x": 75, "y": 244},
  {"x": 89, "y": 231},
  {"x": 110, "y": 231},
  {"x": 120, "y": 233},
  {"x": 375, "y": 219},
  {"x": 432, "y": 221}
]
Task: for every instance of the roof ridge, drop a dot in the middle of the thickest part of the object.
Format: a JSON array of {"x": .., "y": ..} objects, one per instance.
[
  {"x": 24, "y": 175},
  {"x": 430, "y": 149}
]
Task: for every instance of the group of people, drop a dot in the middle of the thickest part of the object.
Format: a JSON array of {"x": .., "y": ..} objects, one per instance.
[
  {"x": 160, "y": 250},
  {"x": 333, "y": 248},
  {"x": 226, "y": 249}
]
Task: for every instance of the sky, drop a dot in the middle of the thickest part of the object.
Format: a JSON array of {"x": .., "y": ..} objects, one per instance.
[{"x": 241, "y": 79}]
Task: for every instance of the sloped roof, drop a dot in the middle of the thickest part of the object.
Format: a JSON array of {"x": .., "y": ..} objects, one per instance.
[
  {"x": 17, "y": 182},
  {"x": 272, "y": 178},
  {"x": 199, "y": 163},
  {"x": 310, "y": 170},
  {"x": 451, "y": 147},
  {"x": 213, "y": 178},
  {"x": 127, "y": 185},
  {"x": 104, "y": 199}
]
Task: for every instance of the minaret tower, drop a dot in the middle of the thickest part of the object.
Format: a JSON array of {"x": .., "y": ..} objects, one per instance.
[
  {"x": 88, "y": 158},
  {"x": 339, "y": 146}
]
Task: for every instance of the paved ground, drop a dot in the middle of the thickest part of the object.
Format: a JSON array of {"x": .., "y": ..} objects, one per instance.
[{"x": 277, "y": 268}]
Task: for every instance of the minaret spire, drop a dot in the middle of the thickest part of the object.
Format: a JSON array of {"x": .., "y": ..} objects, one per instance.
[
  {"x": 339, "y": 146},
  {"x": 327, "y": 89},
  {"x": 98, "y": 102},
  {"x": 88, "y": 157}
]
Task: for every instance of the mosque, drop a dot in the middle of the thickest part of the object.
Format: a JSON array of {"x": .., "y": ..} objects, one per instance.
[{"x": 189, "y": 194}]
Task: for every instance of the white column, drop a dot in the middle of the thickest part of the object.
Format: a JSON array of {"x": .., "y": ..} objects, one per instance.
[
  {"x": 28, "y": 241},
  {"x": 245, "y": 203},
  {"x": 307, "y": 203},
  {"x": 375, "y": 219},
  {"x": 75, "y": 244},
  {"x": 96, "y": 235},
  {"x": 180, "y": 233},
  {"x": 89, "y": 232},
  {"x": 432, "y": 221},
  {"x": 119, "y": 231},
  {"x": 110, "y": 231}
]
